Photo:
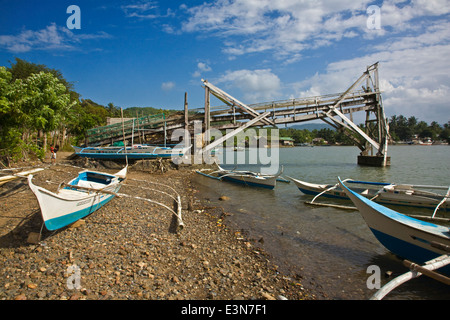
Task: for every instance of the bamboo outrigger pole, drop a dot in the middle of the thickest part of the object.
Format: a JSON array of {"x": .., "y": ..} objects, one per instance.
[
  {"x": 417, "y": 271},
  {"x": 18, "y": 175}
]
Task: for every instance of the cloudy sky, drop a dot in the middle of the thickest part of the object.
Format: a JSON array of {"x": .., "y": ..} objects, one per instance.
[{"x": 149, "y": 53}]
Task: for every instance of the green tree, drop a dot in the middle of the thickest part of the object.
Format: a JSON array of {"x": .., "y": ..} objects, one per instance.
[
  {"x": 86, "y": 115},
  {"x": 445, "y": 133},
  {"x": 9, "y": 115},
  {"x": 412, "y": 124},
  {"x": 28, "y": 106},
  {"x": 43, "y": 101},
  {"x": 22, "y": 69},
  {"x": 421, "y": 126},
  {"x": 113, "y": 111},
  {"x": 327, "y": 134}
]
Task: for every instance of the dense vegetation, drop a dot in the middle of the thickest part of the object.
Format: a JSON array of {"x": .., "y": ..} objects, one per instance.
[
  {"x": 39, "y": 107},
  {"x": 401, "y": 129}
]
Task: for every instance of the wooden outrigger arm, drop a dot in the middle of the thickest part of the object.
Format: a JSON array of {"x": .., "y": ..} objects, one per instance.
[
  {"x": 177, "y": 214},
  {"x": 416, "y": 271}
]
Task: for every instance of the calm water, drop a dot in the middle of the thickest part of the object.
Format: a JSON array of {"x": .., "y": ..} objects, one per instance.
[{"x": 331, "y": 248}]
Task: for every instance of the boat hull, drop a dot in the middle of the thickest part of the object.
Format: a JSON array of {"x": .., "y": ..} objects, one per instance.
[
  {"x": 247, "y": 178},
  {"x": 72, "y": 211},
  {"x": 404, "y": 236},
  {"x": 69, "y": 205},
  {"x": 123, "y": 156},
  {"x": 141, "y": 153},
  {"x": 268, "y": 183}
]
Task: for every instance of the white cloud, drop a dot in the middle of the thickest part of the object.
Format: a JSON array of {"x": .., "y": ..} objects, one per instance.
[
  {"x": 414, "y": 80},
  {"x": 255, "y": 85},
  {"x": 27, "y": 40},
  {"x": 285, "y": 26},
  {"x": 202, "y": 67},
  {"x": 144, "y": 10},
  {"x": 52, "y": 37},
  {"x": 413, "y": 46},
  {"x": 167, "y": 86},
  {"x": 288, "y": 27}
]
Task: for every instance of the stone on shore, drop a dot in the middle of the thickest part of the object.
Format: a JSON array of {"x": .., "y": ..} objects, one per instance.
[{"x": 130, "y": 249}]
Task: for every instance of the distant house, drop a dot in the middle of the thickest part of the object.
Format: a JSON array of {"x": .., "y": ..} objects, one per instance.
[
  {"x": 319, "y": 141},
  {"x": 424, "y": 141},
  {"x": 286, "y": 141}
]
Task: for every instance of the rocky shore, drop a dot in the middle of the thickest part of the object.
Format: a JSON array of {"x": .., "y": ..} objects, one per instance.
[{"x": 131, "y": 249}]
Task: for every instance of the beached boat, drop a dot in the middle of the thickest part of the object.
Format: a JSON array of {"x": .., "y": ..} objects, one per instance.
[
  {"x": 83, "y": 195},
  {"x": 135, "y": 152},
  {"x": 385, "y": 193},
  {"x": 409, "y": 238},
  {"x": 249, "y": 178}
]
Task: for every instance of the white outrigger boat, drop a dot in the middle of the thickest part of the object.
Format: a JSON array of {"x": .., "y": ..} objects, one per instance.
[
  {"x": 249, "y": 178},
  {"x": 385, "y": 193},
  {"x": 417, "y": 241},
  {"x": 83, "y": 195}
]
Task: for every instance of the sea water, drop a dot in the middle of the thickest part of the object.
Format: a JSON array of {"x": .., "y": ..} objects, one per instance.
[{"x": 329, "y": 249}]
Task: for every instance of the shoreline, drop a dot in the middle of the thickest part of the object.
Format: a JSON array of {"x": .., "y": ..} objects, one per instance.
[{"x": 130, "y": 251}]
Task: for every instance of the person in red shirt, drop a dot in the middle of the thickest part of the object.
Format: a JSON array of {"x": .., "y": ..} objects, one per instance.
[{"x": 53, "y": 154}]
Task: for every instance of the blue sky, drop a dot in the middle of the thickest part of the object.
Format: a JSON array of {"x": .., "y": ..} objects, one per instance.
[{"x": 149, "y": 53}]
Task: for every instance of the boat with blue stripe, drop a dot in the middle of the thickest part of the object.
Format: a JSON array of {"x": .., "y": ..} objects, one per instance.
[
  {"x": 407, "y": 237},
  {"x": 80, "y": 197},
  {"x": 419, "y": 196},
  {"x": 248, "y": 178},
  {"x": 134, "y": 152}
]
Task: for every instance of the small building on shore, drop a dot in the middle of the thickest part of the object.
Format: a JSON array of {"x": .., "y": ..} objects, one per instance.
[{"x": 286, "y": 141}]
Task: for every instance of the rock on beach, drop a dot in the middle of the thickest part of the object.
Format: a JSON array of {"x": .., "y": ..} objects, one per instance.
[{"x": 130, "y": 249}]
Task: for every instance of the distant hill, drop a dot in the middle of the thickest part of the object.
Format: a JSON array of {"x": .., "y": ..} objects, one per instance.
[
  {"x": 311, "y": 126},
  {"x": 145, "y": 111}
]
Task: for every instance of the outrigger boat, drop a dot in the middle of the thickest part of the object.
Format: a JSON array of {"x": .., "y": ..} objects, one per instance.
[
  {"x": 385, "y": 193},
  {"x": 249, "y": 178},
  {"x": 83, "y": 195},
  {"x": 134, "y": 152},
  {"x": 412, "y": 239}
]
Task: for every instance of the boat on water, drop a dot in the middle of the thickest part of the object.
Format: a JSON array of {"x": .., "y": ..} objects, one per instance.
[
  {"x": 424, "y": 246},
  {"x": 249, "y": 178},
  {"x": 407, "y": 237},
  {"x": 83, "y": 195},
  {"x": 134, "y": 152},
  {"x": 385, "y": 193},
  {"x": 426, "y": 142}
]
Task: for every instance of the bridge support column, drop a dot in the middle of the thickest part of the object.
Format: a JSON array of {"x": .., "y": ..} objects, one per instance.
[{"x": 374, "y": 161}]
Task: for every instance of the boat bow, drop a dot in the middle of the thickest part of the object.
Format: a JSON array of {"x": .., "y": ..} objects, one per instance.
[{"x": 405, "y": 236}]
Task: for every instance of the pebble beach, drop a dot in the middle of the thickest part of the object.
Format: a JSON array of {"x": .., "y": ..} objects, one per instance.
[{"x": 131, "y": 249}]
